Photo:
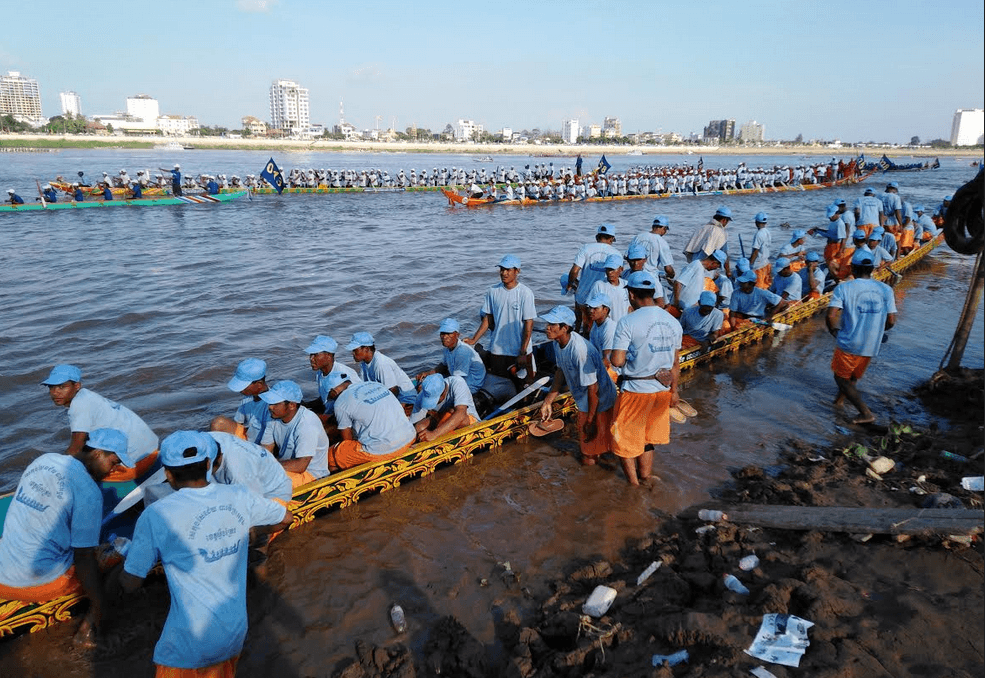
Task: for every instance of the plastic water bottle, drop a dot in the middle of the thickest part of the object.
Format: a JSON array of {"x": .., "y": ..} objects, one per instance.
[
  {"x": 749, "y": 563},
  {"x": 953, "y": 457},
  {"x": 397, "y": 618},
  {"x": 711, "y": 515},
  {"x": 733, "y": 584},
  {"x": 678, "y": 657}
]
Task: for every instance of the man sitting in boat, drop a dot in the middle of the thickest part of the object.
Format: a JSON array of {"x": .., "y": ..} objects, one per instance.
[
  {"x": 13, "y": 198},
  {"x": 696, "y": 277},
  {"x": 786, "y": 283},
  {"x": 880, "y": 255},
  {"x": 321, "y": 357},
  {"x": 751, "y": 302},
  {"x": 925, "y": 229},
  {"x": 88, "y": 411},
  {"x": 460, "y": 359},
  {"x": 443, "y": 405},
  {"x": 107, "y": 191},
  {"x": 252, "y": 417},
  {"x": 52, "y": 527},
  {"x": 136, "y": 192},
  {"x": 77, "y": 194},
  {"x": 380, "y": 368},
  {"x": 702, "y": 323},
  {"x": 302, "y": 446},
  {"x": 795, "y": 250},
  {"x": 813, "y": 277},
  {"x": 240, "y": 462},
  {"x": 371, "y": 420},
  {"x": 49, "y": 194}
]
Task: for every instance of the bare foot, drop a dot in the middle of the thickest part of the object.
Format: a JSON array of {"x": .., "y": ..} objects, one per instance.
[
  {"x": 864, "y": 419},
  {"x": 840, "y": 400},
  {"x": 588, "y": 461}
]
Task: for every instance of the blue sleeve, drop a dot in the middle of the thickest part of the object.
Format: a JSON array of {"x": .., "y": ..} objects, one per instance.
[{"x": 143, "y": 552}]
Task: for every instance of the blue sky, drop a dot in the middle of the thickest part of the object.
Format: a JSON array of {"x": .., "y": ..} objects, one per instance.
[{"x": 859, "y": 71}]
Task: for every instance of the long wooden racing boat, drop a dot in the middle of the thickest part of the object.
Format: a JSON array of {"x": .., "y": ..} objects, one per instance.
[
  {"x": 358, "y": 189},
  {"x": 456, "y": 199},
  {"x": 118, "y": 191},
  {"x": 143, "y": 202},
  {"x": 347, "y": 487}
]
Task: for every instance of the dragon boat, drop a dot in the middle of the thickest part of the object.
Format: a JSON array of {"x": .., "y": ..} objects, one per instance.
[
  {"x": 118, "y": 191},
  {"x": 142, "y": 202},
  {"x": 456, "y": 199},
  {"x": 345, "y": 488}
]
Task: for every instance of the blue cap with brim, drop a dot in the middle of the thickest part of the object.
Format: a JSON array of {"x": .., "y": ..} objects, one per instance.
[
  {"x": 61, "y": 373},
  {"x": 432, "y": 386},
  {"x": 599, "y": 299},
  {"x": 636, "y": 251},
  {"x": 606, "y": 229},
  {"x": 178, "y": 444},
  {"x": 743, "y": 265},
  {"x": 509, "y": 261},
  {"x": 707, "y": 298},
  {"x": 564, "y": 280},
  {"x": 322, "y": 344},
  {"x": 747, "y": 277},
  {"x": 248, "y": 371},
  {"x": 840, "y": 201},
  {"x": 111, "y": 440},
  {"x": 814, "y": 256},
  {"x": 282, "y": 391},
  {"x": 662, "y": 221},
  {"x": 893, "y": 184},
  {"x": 719, "y": 256},
  {"x": 449, "y": 325},
  {"x": 723, "y": 212},
  {"x": 918, "y": 208},
  {"x": 782, "y": 263},
  {"x": 862, "y": 258},
  {"x": 641, "y": 280},
  {"x": 558, "y": 315},
  {"x": 333, "y": 379},
  {"x": 859, "y": 233},
  {"x": 360, "y": 339},
  {"x": 762, "y": 217},
  {"x": 797, "y": 234},
  {"x": 876, "y": 234},
  {"x": 613, "y": 261},
  {"x": 869, "y": 191},
  {"x": 831, "y": 211}
]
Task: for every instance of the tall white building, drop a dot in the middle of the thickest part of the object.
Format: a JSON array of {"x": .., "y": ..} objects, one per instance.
[
  {"x": 20, "y": 97},
  {"x": 569, "y": 131},
  {"x": 144, "y": 108},
  {"x": 467, "y": 130},
  {"x": 611, "y": 127},
  {"x": 751, "y": 131},
  {"x": 968, "y": 127},
  {"x": 289, "y": 108},
  {"x": 71, "y": 103}
]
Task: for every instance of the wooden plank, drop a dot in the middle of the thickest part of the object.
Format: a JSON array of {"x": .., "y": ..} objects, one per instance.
[{"x": 859, "y": 520}]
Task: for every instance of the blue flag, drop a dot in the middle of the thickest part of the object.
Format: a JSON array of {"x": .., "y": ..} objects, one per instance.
[
  {"x": 603, "y": 165},
  {"x": 273, "y": 176}
]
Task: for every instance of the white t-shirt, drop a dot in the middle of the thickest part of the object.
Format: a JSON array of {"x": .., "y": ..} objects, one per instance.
[
  {"x": 303, "y": 436},
  {"x": 510, "y": 309},
  {"x": 375, "y": 416},
  {"x": 89, "y": 411},
  {"x": 248, "y": 464},
  {"x": 651, "y": 338}
]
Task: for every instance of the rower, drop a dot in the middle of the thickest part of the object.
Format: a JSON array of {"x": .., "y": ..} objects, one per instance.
[
  {"x": 252, "y": 417},
  {"x": 836, "y": 232},
  {"x": 759, "y": 260},
  {"x": 136, "y": 192},
  {"x": 302, "y": 446},
  {"x": 240, "y": 462},
  {"x": 460, "y": 359},
  {"x": 696, "y": 278},
  {"x": 841, "y": 267},
  {"x": 588, "y": 264},
  {"x": 443, "y": 405},
  {"x": 813, "y": 277},
  {"x": 614, "y": 287},
  {"x": 77, "y": 194},
  {"x": 795, "y": 250},
  {"x": 13, "y": 198},
  {"x": 868, "y": 211},
  {"x": 702, "y": 323},
  {"x": 88, "y": 411},
  {"x": 321, "y": 357},
  {"x": 753, "y": 302},
  {"x": 659, "y": 259},
  {"x": 107, "y": 191},
  {"x": 787, "y": 283},
  {"x": 380, "y": 368},
  {"x": 49, "y": 194},
  {"x": 880, "y": 255},
  {"x": 371, "y": 420},
  {"x": 52, "y": 527}
]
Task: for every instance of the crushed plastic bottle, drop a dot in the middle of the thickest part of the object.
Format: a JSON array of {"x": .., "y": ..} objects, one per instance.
[
  {"x": 750, "y": 562},
  {"x": 398, "y": 619},
  {"x": 732, "y": 583},
  {"x": 711, "y": 515},
  {"x": 678, "y": 657}
]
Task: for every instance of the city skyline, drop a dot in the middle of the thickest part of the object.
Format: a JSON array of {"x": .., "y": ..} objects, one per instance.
[{"x": 835, "y": 70}]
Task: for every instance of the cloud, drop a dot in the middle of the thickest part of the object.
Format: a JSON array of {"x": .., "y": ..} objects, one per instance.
[
  {"x": 367, "y": 73},
  {"x": 256, "y": 6}
]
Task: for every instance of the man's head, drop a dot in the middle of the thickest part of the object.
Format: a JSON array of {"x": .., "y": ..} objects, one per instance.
[
  {"x": 613, "y": 268},
  {"x": 715, "y": 260},
  {"x": 560, "y": 320},
  {"x": 783, "y": 267},
  {"x": 250, "y": 377},
  {"x": 723, "y": 215},
  {"x": 661, "y": 225},
  {"x": 104, "y": 450},
  {"x": 841, "y": 205},
  {"x": 859, "y": 237},
  {"x": 63, "y": 382},
  {"x": 321, "y": 353},
  {"x": 449, "y": 331},
  {"x": 747, "y": 281},
  {"x": 641, "y": 286},
  {"x": 636, "y": 256},
  {"x": 761, "y": 219},
  {"x": 363, "y": 346},
  {"x": 797, "y": 237},
  {"x": 706, "y": 302},
  {"x": 509, "y": 270},
  {"x": 605, "y": 233},
  {"x": 283, "y": 400},
  {"x": 599, "y": 304},
  {"x": 431, "y": 392},
  {"x": 813, "y": 260},
  {"x": 868, "y": 191},
  {"x": 187, "y": 457},
  {"x": 862, "y": 264},
  {"x": 742, "y": 265},
  {"x": 892, "y": 187}
]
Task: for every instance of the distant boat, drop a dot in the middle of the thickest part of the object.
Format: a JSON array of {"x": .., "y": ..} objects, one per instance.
[
  {"x": 635, "y": 151},
  {"x": 170, "y": 146},
  {"x": 188, "y": 148},
  {"x": 485, "y": 158}
]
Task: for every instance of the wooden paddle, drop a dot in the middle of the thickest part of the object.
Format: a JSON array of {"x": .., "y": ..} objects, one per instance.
[
  {"x": 505, "y": 407},
  {"x": 44, "y": 205}
]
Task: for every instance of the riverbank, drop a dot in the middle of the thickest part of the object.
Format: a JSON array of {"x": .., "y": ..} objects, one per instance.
[{"x": 536, "y": 150}]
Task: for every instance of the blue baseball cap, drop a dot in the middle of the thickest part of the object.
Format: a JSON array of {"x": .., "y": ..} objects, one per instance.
[
  {"x": 599, "y": 299},
  {"x": 61, "y": 373},
  {"x": 948, "y": 198},
  {"x": 449, "y": 325},
  {"x": 323, "y": 344},
  {"x": 641, "y": 280},
  {"x": 360, "y": 339},
  {"x": 661, "y": 221},
  {"x": 862, "y": 258},
  {"x": 814, "y": 256},
  {"x": 743, "y": 265},
  {"x": 747, "y": 277},
  {"x": 762, "y": 217},
  {"x": 876, "y": 234},
  {"x": 636, "y": 251},
  {"x": 797, "y": 234},
  {"x": 859, "y": 233},
  {"x": 831, "y": 211},
  {"x": 111, "y": 440},
  {"x": 719, "y": 256},
  {"x": 510, "y": 261},
  {"x": 613, "y": 261},
  {"x": 282, "y": 391},
  {"x": 869, "y": 191},
  {"x": 893, "y": 184},
  {"x": 176, "y": 445},
  {"x": 723, "y": 212},
  {"x": 560, "y": 314},
  {"x": 432, "y": 386},
  {"x": 782, "y": 263},
  {"x": 918, "y": 208},
  {"x": 333, "y": 379},
  {"x": 840, "y": 201},
  {"x": 565, "y": 279},
  {"x": 606, "y": 229},
  {"x": 248, "y": 371},
  {"x": 707, "y": 298},
  {"x": 879, "y": 230}
]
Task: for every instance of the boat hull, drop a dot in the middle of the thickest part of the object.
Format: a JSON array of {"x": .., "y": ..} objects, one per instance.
[{"x": 144, "y": 202}]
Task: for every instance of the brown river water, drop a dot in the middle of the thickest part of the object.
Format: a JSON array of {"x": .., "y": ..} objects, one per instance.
[{"x": 157, "y": 306}]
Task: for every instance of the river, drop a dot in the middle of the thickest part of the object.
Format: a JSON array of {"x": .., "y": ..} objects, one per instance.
[{"x": 158, "y": 305}]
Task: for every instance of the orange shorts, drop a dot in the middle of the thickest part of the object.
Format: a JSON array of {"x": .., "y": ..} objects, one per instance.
[
  {"x": 638, "y": 420},
  {"x": 42, "y": 593},
  {"x": 764, "y": 276},
  {"x": 906, "y": 240},
  {"x": 831, "y": 251},
  {"x": 299, "y": 479},
  {"x": 602, "y": 441},
  {"x": 350, "y": 453},
  {"x": 674, "y": 311},
  {"x": 124, "y": 473},
  {"x": 867, "y": 228},
  {"x": 226, "y": 669},
  {"x": 848, "y": 366},
  {"x": 687, "y": 341}
]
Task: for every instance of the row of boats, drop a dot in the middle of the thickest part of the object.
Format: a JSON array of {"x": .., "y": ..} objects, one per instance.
[{"x": 345, "y": 488}]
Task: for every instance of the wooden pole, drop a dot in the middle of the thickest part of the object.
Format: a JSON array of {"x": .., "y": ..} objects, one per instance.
[
  {"x": 862, "y": 520},
  {"x": 967, "y": 320}
]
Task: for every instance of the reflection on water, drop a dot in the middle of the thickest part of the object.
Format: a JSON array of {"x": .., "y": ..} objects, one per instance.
[{"x": 158, "y": 305}]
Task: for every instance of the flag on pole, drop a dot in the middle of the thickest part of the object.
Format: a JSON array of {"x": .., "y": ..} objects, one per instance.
[
  {"x": 273, "y": 176},
  {"x": 603, "y": 165},
  {"x": 701, "y": 163}
]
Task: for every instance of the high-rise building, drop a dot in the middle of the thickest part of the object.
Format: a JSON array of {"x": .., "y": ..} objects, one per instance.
[
  {"x": 611, "y": 127},
  {"x": 968, "y": 127},
  {"x": 569, "y": 131},
  {"x": 467, "y": 130},
  {"x": 71, "y": 103},
  {"x": 751, "y": 131},
  {"x": 289, "y": 110},
  {"x": 20, "y": 97},
  {"x": 722, "y": 130},
  {"x": 143, "y": 108}
]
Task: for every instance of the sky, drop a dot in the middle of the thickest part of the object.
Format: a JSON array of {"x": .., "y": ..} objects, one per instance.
[{"x": 860, "y": 70}]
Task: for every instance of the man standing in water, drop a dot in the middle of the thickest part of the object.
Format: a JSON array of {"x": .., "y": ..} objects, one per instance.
[
  {"x": 647, "y": 346},
  {"x": 860, "y": 312}
]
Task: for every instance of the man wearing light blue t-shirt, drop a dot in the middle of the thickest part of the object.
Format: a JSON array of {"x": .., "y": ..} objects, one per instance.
[
  {"x": 702, "y": 322},
  {"x": 786, "y": 284},
  {"x": 302, "y": 445},
  {"x": 860, "y": 313},
  {"x": 588, "y": 267},
  {"x": 200, "y": 534},
  {"x": 754, "y": 302},
  {"x": 509, "y": 310},
  {"x": 762, "y": 247},
  {"x": 443, "y": 405},
  {"x": 240, "y": 462},
  {"x": 321, "y": 357},
  {"x": 380, "y": 368},
  {"x": 250, "y": 380},
  {"x": 460, "y": 359}
]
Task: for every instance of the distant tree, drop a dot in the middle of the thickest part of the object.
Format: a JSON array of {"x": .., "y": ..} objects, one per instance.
[
  {"x": 940, "y": 143},
  {"x": 109, "y": 127},
  {"x": 246, "y": 132},
  {"x": 799, "y": 139},
  {"x": 914, "y": 141}
]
